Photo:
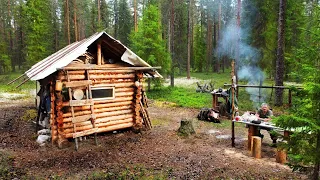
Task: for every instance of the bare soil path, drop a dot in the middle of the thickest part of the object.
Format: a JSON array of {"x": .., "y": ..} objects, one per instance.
[{"x": 156, "y": 153}]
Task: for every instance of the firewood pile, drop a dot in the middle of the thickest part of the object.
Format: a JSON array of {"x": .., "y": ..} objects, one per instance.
[{"x": 144, "y": 111}]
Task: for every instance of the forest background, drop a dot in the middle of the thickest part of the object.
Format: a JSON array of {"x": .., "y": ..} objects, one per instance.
[{"x": 277, "y": 40}]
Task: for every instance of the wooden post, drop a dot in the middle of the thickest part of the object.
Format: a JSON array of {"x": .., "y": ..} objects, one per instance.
[
  {"x": 99, "y": 53},
  {"x": 252, "y": 131},
  {"x": 232, "y": 106},
  {"x": 256, "y": 147},
  {"x": 281, "y": 156}
]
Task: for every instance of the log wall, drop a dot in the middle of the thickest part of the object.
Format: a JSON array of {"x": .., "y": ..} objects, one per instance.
[{"x": 111, "y": 114}]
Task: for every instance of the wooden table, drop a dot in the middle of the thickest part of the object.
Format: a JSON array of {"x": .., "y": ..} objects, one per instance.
[{"x": 253, "y": 130}]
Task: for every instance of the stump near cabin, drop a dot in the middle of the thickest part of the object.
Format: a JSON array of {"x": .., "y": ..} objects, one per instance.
[{"x": 186, "y": 127}]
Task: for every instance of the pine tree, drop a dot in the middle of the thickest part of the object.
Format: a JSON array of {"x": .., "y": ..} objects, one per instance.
[
  {"x": 280, "y": 54},
  {"x": 199, "y": 49},
  {"x": 125, "y": 23},
  {"x": 148, "y": 42},
  {"x": 38, "y": 31}
]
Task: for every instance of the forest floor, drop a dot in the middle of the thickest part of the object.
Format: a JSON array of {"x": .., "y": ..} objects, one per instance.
[{"x": 156, "y": 154}]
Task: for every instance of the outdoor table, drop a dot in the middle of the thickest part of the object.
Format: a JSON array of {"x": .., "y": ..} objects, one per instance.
[{"x": 253, "y": 130}]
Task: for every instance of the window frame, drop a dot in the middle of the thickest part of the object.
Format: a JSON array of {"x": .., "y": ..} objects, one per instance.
[{"x": 103, "y": 87}]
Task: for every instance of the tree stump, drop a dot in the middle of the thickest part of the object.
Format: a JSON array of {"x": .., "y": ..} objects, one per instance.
[
  {"x": 256, "y": 147},
  {"x": 186, "y": 127}
]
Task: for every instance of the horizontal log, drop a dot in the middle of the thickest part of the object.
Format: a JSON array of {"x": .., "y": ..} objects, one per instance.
[
  {"x": 118, "y": 99},
  {"x": 105, "y": 129},
  {"x": 85, "y": 133},
  {"x": 258, "y": 86},
  {"x": 67, "y": 123},
  {"x": 78, "y": 125},
  {"x": 113, "y": 118},
  {"x": 115, "y": 127},
  {"x": 86, "y": 102},
  {"x": 104, "y": 121},
  {"x": 125, "y": 89},
  {"x": 86, "y": 112},
  {"x": 99, "y": 83},
  {"x": 92, "y": 66},
  {"x": 77, "y": 83},
  {"x": 99, "y": 76},
  {"x": 115, "y": 71},
  {"x": 103, "y": 114},
  {"x": 80, "y": 119},
  {"x": 78, "y": 129},
  {"x": 113, "y": 113},
  {"x": 108, "y": 68},
  {"x": 105, "y": 105},
  {"x": 119, "y": 94},
  {"x": 111, "y": 123}
]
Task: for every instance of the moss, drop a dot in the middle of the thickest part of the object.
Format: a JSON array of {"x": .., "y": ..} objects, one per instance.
[{"x": 29, "y": 115}]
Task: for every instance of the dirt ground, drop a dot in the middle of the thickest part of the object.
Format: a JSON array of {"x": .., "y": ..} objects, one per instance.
[{"x": 156, "y": 154}]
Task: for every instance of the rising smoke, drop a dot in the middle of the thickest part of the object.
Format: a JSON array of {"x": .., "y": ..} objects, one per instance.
[{"x": 247, "y": 64}]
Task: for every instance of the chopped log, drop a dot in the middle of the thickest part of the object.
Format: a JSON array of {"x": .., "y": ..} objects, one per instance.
[
  {"x": 252, "y": 131},
  {"x": 281, "y": 156},
  {"x": 186, "y": 127},
  {"x": 256, "y": 147}
]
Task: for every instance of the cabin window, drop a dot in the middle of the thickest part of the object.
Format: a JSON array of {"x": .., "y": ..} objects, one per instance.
[{"x": 101, "y": 93}]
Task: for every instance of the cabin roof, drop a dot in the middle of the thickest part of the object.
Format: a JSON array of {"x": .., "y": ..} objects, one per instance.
[{"x": 66, "y": 55}]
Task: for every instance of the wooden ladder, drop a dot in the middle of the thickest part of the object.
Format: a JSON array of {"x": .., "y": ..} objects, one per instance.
[{"x": 86, "y": 102}]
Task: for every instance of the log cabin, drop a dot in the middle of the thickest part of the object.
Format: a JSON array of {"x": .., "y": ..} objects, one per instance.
[{"x": 91, "y": 86}]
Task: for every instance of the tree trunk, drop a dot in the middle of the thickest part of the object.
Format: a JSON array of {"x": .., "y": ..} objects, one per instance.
[
  {"x": 280, "y": 54},
  {"x": 315, "y": 175},
  {"x": 115, "y": 10},
  {"x": 68, "y": 21},
  {"x": 238, "y": 41},
  {"x": 135, "y": 17},
  {"x": 189, "y": 40},
  {"x": 209, "y": 37},
  {"x": 99, "y": 15},
  {"x": 172, "y": 45},
  {"x": 11, "y": 40},
  {"x": 75, "y": 20}
]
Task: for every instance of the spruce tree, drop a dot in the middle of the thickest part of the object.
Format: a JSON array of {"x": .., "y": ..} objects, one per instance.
[{"x": 148, "y": 42}]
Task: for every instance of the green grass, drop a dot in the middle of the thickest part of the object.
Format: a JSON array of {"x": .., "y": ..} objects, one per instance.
[
  {"x": 4, "y": 79},
  {"x": 183, "y": 97},
  {"x": 187, "y": 96},
  {"x": 23, "y": 92}
]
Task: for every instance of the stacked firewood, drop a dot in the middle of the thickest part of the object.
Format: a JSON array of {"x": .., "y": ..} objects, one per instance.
[{"x": 144, "y": 111}]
